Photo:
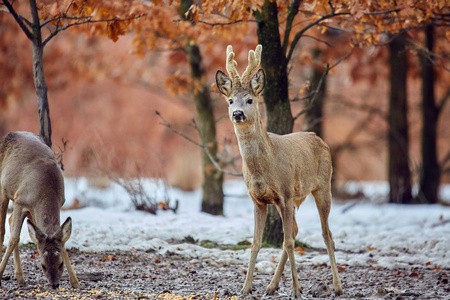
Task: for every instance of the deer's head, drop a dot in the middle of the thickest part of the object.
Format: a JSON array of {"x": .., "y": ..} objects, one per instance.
[
  {"x": 242, "y": 92},
  {"x": 51, "y": 249}
]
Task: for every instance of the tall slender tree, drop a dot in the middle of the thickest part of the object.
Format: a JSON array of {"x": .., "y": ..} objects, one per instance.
[
  {"x": 212, "y": 198},
  {"x": 429, "y": 171},
  {"x": 57, "y": 18},
  {"x": 399, "y": 172}
]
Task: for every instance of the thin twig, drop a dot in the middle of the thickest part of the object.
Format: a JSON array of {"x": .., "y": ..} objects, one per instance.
[
  {"x": 444, "y": 100},
  {"x": 211, "y": 158},
  {"x": 59, "y": 155},
  {"x": 85, "y": 20}
]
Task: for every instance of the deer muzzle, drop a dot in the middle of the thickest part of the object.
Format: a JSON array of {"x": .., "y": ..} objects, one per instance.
[{"x": 238, "y": 116}]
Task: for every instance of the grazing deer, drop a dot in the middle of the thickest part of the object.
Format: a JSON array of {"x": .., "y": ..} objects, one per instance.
[
  {"x": 31, "y": 178},
  {"x": 278, "y": 169}
]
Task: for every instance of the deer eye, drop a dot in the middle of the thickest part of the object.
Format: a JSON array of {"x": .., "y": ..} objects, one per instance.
[
  {"x": 230, "y": 101},
  {"x": 249, "y": 101},
  {"x": 61, "y": 265},
  {"x": 44, "y": 267}
]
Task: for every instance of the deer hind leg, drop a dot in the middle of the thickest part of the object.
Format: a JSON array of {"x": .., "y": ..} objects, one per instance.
[
  {"x": 16, "y": 221},
  {"x": 323, "y": 202},
  {"x": 260, "y": 218},
  {"x": 275, "y": 283}
]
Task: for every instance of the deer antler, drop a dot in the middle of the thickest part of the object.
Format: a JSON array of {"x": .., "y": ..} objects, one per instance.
[
  {"x": 231, "y": 65},
  {"x": 254, "y": 59}
]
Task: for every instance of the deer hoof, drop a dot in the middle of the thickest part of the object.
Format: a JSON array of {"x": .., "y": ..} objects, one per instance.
[
  {"x": 296, "y": 293},
  {"x": 75, "y": 285},
  {"x": 246, "y": 290},
  {"x": 338, "y": 291},
  {"x": 271, "y": 290},
  {"x": 20, "y": 280}
]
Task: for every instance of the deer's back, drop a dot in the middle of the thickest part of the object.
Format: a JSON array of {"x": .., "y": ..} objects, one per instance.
[
  {"x": 304, "y": 162},
  {"x": 29, "y": 166}
]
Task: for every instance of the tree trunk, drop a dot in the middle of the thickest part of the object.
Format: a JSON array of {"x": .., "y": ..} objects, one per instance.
[
  {"x": 45, "y": 127},
  {"x": 276, "y": 97},
  {"x": 399, "y": 173},
  {"x": 429, "y": 173},
  {"x": 212, "y": 201},
  {"x": 313, "y": 117}
]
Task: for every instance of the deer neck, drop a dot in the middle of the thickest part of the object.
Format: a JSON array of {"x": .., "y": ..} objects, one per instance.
[
  {"x": 47, "y": 217},
  {"x": 253, "y": 143}
]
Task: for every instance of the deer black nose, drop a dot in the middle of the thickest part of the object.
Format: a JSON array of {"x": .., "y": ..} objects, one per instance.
[
  {"x": 55, "y": 286},
  {"x": 238, "y": 115}
]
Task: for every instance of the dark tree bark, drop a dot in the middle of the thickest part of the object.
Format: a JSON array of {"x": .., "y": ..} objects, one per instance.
[
  {"x": 45, "y": 127},
  {"x": 35, "y": 36},
  {"x": 212, "y": 199},
  {"x": 313, "y": 117},
  {"x": 276, "y": 98},
  {"x": 273, "y": 61},
  {"x": 399, "y": 172},
  {"x": 430, "y": 172}
]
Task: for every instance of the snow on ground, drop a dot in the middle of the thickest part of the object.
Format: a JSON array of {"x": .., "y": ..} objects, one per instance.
[{"x": 365, "y": 232}]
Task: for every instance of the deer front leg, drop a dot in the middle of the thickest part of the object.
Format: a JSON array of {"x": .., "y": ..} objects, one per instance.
[
  {"x": 260, "y": 218},
  {"x": 16, "y": 225},
  {"x": 72, "y": 276},
  {"x": 18, "y": 271}
]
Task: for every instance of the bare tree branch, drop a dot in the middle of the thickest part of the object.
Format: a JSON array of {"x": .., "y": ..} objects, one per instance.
[
  {"x": 318, "y": 40},
  {"x": 315, "y": 95},
  {"x": 342, "y": 59},
  {"x": 292, "y": 12},
  {"x": 316, "y": 92},
  {"x": 445, "y": 160},
  {"x": 299, "y": 34},
  {"x": 20, "y": 20},
  {"x": 170, "y": 127},
  {"x": 59, "y": 155},
  {"x": 444, "y": 100},
  {"x": 84, "y": 20}
]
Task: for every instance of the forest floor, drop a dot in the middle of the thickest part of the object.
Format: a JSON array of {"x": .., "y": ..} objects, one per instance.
[{"x": 147, "y": 275}]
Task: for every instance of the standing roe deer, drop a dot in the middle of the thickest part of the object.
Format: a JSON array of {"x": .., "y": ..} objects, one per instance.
[
  {"x": 31, "y": 178},
  {"x": 278, "y": 169}
]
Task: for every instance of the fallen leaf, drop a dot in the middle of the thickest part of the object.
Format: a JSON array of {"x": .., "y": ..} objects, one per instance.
[
  {"x": 342, "y": 268},
  {"x": 300, "y": 250},
  {"x": 109, "y": 257}
]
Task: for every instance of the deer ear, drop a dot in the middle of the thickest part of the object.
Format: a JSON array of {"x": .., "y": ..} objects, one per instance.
[
  {"x": 66, "y": 228},
  {"x": 224, "y": 83},
  {"x": 36, "y": 234},
  {"x": 258, "y": 82},
  {"x": 63, "y": 232}
]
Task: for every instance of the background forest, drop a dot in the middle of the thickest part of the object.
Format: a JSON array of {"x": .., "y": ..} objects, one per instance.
[
  {"x": 124, "y": 93},
  {"x": 371, "y": 78}
]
